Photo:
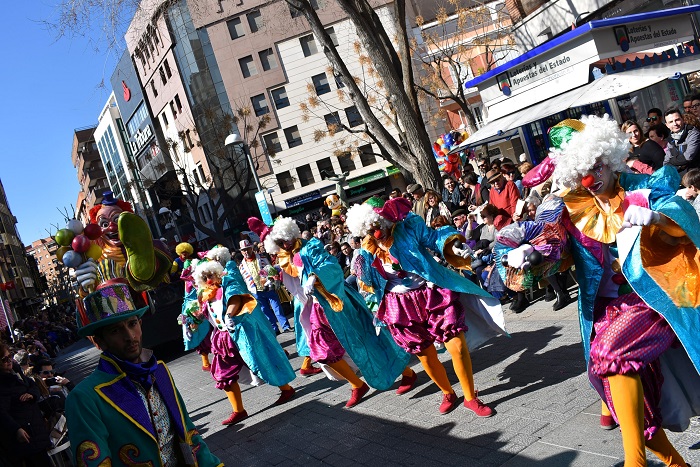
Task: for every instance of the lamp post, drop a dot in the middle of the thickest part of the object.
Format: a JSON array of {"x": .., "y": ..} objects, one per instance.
[
  {"x": 171, "y": 217},
  {"x": 272, "y": 200},
  {"x": 236, "y": 141}
]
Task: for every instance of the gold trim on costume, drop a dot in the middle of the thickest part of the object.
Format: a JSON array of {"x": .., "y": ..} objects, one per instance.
[
  {"x": 592, "y": 219},
  {"x": 90, "y": 451}
]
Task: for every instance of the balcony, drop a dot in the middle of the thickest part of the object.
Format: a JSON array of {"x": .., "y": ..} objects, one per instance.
[{"x": 156, "y": 167}]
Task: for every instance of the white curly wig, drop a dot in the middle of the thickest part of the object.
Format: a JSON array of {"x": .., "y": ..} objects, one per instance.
[
  {"x": 220, "y": 254},
  {"x": 206, "y": 269},
  {"x": 361, "y": 217},
  {"x": 285, "y": 229},
  {"x": 601, "y": 140}
]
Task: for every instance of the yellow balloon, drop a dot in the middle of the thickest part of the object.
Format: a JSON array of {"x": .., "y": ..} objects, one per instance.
[
  {"x": 62, "y": 251},
  {"x": 94, "y": 252}
]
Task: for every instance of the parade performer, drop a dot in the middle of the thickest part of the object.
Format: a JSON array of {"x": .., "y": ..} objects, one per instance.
[
  {"x": 128, "y": 411},
  {"x": 421, "y": 301},
  {"x": 195, "y": 328},
  {"x": 129, "y": 254},
  {"x": 334, "y": 317},
  {"x": 254, "y": 269},
  {"x": 183, "y": 251},
  {"x": 236, "y": 324},
  {"x": 635, "y": 247}
]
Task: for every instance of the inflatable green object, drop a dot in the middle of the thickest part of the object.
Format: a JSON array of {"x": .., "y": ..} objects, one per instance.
[{"x": 146, "y": 266}]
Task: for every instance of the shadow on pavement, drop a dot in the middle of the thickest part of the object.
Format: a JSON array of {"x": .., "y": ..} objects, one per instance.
[{"x": 301, "y": 436}]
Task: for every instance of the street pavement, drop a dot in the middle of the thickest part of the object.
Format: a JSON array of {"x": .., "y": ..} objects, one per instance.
[{"x": 545, "y": 411}]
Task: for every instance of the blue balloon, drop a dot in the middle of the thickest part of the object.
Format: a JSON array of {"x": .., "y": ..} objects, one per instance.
[{"x": 72, "y": 259}]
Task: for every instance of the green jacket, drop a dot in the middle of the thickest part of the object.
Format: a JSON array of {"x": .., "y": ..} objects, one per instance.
[{"x": 108, "y": 424}]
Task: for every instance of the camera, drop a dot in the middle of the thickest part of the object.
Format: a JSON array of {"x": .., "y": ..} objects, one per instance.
[{"x": 50, "y": 382}]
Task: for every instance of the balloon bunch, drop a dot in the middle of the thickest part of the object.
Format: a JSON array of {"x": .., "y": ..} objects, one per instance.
[
  {"x": 450, "y": 164},
  {"x": 76, "y": 243}
]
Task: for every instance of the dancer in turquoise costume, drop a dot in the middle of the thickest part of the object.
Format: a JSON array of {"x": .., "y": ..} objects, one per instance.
[
  {"x": 635, "y": 247},
  {"x": 238, "y": 337},
  {"x": 421, "y": 301},
  {"x": 335, "y": 318}
]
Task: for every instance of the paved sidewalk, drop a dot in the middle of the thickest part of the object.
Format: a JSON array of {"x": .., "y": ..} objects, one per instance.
[{"x": 546, "y": 412}]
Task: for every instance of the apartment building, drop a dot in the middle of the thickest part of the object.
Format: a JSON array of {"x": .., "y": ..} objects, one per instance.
[
  {"x": 90, "y": 172},
  {"x": 55, "y": 275}
]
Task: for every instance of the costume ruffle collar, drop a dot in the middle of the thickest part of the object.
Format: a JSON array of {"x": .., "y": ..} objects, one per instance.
[{"x": 591, "y": 218}]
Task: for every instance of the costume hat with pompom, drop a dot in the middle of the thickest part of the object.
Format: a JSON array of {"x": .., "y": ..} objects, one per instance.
[
  {"x": 259, "y": 227},
  {"x": 394, "y": 210}
]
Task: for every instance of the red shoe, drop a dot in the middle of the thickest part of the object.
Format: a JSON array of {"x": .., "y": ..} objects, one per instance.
[
  {"x": 314, "y": 370},
  {"x": 407, "y": 383},
  {"x": 478, "y": 407},
  {"x": 607, "y": 422},
  {"x": 449, "y": 402},
  {"x": 206, "y": 368},
  {"x": 357, "y": 395},
  {"x": 286, "y": 396},
  {"x": 235, "y": 418}
]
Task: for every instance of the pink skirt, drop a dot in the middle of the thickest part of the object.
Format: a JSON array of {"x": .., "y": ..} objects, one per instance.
[
  {"x": 324, "y": 346},
  {"x": 629, "y": 339},
  {"x": 422, "y": 316},
  {"x": 226, "y": 363}
]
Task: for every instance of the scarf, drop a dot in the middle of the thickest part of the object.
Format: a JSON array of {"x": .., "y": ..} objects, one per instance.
[{"x": 140, "y": 373}]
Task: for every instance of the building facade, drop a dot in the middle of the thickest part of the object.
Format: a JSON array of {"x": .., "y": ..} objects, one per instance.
[
  {"x": 57, "y": 283},
  {"x": 90, "y": 172}
]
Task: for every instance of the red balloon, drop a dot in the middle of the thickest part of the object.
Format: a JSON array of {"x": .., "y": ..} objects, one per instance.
[
  {"x": 80, "y": 244},
  {"x": 92, "y": 231}
]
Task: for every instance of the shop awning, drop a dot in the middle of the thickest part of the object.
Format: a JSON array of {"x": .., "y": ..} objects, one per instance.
[{"x": 607, "y": 87}]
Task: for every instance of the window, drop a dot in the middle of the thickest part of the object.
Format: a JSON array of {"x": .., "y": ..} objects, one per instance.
[
  {"x": 272, "y": 143},
  {"x": 346, "y": 162},
  {"x": 304, "y": 174},
  {"x": 279, "y": 97},
  {"x": 153, "y": 88},
  {"x": 331, "y": 33},
  {"x": 235, "y": 28},
  {"x": 172, "y": 109},
  {"x": 316, "y": 4},
  {"x": 285, "y": 181},
  {"x": 167, "y": 68},
  {"x": 255, "y": 21},
  {"x": 333, "y": 122},
  {"x": 188, "y": 137},
  {"x": 259, "y": 104},
  {"x": 268, "y": 60},
  {"x": 321, "y": 84},
  {"x": 294, "y": 12},
  {"x": 178, "y": 103},
  {"x": 308, "y": 45},
  {"x": 324, "y": 165},
  {"x": 353, "y": 116},
  {"x": 162, "y": 75},
  {"x": 367, "y": 156},
  {"x": 165, "y": 119},
  {"x": 195, "y": 177},
  {"x": 248, "y": 67},
  {"x": 293, "y": 136}
]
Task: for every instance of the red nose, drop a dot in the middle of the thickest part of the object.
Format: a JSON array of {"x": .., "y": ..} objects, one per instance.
[
  {"x": 587, "y": 181},
  {"x": 378, "y": 234}
]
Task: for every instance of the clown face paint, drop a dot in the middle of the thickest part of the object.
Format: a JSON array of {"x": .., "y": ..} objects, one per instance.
[
  {"x": 599, "y": 180},
  {"x": 107, "y": 219}
]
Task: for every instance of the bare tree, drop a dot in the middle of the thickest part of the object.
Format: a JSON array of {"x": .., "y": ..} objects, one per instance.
[{"x": 455, "y": 48}]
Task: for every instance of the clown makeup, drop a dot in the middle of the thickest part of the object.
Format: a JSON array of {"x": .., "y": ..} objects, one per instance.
[
  {"x": 285, "y": 244},
  {"x": 107, "y": 219},
  {"x": 599, "y": 179}
]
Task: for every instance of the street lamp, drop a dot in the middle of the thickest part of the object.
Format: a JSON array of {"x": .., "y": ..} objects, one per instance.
[
  {"x": 171, "y": 217},
  {"x": 272, "y": 200},
  {"x": 236, "y": 141}
]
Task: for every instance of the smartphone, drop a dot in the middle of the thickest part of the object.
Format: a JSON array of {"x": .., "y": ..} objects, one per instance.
[{"x": 50, "y": 382}]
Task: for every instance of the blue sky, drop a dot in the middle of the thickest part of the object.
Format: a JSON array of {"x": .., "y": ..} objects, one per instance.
[{"x": 49, "y": 88}]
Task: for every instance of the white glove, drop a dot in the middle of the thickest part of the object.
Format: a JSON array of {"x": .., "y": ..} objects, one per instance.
[
  {"x": 309, "y": 286},
  {"x": 463, "y": 253},
  {"x": 637, "y": 215},
  {"x": 86, "y": 273}
]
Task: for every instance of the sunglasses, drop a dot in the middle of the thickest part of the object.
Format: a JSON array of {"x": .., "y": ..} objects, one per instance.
[
  {"x": 652, "y": 119},
  {"x": 6, "y": 359},
  {"x": 688, "y": 107},
  {"x": 47, "y": 372},
  {"x": 508, "y": 173}
]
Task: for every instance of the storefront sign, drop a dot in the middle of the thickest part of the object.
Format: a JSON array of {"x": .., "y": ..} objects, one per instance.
[
  {"x": 141, "y": 137},
  {"x": 301, "y": 199},
  {"x": 370, "y": 177}
]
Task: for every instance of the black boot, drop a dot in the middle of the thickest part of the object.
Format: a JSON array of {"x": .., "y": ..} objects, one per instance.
[
  {"x": 549, "y": 294},
  {"x": 520, "y": 303},
  {"x": 561, "y": 293}
]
